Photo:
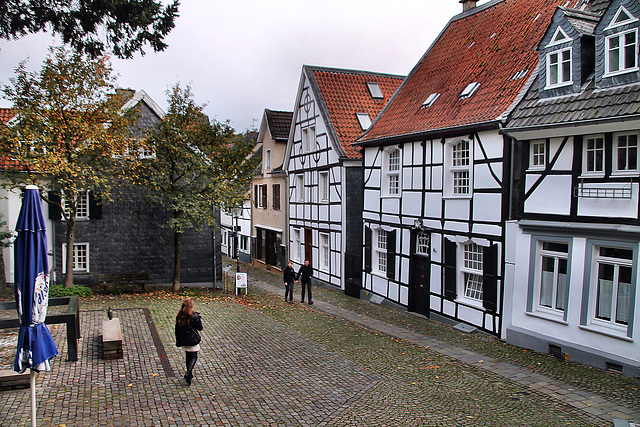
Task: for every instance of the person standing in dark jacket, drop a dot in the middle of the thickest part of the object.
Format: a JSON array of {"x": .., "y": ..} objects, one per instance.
[
  {"x": 289, "y": 277},
  {"x": 188, "y": 323},
  {"x": 304, "y": 275}
]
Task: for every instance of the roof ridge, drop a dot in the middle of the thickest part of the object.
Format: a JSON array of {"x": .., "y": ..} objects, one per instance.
[{"x": 351, "y": 71}]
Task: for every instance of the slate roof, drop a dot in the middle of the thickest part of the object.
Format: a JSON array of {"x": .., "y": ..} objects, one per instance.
[
  {"x": 583, "y": 22},
  {"x": 279, "y": 123},
  {"x": 489, "y": 44},
  {"x": 343, "y": 93}
]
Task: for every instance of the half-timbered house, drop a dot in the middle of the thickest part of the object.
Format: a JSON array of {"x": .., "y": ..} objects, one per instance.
[
  {"x": 332, "y": 108},
  {"x": 436, "y": 168},
  {"x": 572, "y": 254}
]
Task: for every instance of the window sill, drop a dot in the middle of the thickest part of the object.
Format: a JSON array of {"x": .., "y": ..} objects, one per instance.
[
  {"x": 559, "y": 85},
  {"x": 391, "y": 196},
  {"x": 470, "y": 303},
  {"x": 618, "y": 73},
  {"x": 588, "y": 175},
  {"x": 613, "y": 333},
  {"x": 547, "y": 316},
  {"x": 536, "y": 169},
  {"x": 623, "y": 174},
  {"x": 458, "y": 197}
]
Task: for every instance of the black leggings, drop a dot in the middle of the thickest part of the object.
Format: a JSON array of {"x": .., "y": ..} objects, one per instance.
[{"x": 192, "y": 356}]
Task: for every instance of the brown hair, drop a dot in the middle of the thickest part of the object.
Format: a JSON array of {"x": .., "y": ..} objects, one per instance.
[{"x": 184, "y": 315}]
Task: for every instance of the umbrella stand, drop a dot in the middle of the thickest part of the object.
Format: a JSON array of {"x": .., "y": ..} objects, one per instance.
[{"x": 33, "y": 397}]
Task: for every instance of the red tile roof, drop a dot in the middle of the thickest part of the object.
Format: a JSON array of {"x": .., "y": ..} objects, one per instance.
[
  {"x": 6, "y": 114},
  {"x": 344, "y": 93},
  {"x": 489, "y": 45}
]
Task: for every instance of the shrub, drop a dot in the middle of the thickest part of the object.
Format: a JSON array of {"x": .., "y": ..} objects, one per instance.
[{"x": 60, "y": 291}]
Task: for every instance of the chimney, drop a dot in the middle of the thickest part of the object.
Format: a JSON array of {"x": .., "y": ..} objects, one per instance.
[{"x": 468, "y": 4}]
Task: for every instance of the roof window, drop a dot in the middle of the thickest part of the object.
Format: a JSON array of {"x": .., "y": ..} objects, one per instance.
[
  {"x": 519, "y": 74},
  {"x": 430, "y": 100},
  {"x": 469, "y": 90},
  {"x": 374, "y": 90},
  {"x": 364, "y": 120}
]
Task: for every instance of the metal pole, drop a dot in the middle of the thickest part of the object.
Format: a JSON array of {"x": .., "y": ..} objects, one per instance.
[{"x": 237, "y": 242}]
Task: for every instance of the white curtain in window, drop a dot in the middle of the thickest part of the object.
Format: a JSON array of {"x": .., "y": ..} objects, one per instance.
[{"x": 605, "y": 293}]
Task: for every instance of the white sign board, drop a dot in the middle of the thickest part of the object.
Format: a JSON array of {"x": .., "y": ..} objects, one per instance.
[{"x": 241, "y": 281}]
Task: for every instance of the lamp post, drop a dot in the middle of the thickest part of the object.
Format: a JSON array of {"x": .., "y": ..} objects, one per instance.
[{"x": 236, "y": 215}]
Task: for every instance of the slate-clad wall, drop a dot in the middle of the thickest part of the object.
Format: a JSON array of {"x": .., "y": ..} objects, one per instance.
[{"x": 129, "y": 237}]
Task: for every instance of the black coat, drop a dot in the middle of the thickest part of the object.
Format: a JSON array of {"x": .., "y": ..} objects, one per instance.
[
  {"x": 188, "y": 335},
  {"x": 289, "y": 275},
  {"x": 305, "y": 273}
]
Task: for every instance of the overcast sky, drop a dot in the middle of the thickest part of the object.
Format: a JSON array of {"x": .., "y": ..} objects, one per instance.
[{"x": 243, "y": 56}]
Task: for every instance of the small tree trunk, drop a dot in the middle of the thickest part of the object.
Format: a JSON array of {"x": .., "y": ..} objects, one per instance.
[
  {"x": 71, "y": 229},
  {"x": 177, "y": 246},
  {"x": 3, "y": 278}
]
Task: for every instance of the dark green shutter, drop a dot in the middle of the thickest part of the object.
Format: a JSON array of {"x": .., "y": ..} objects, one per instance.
[
  {"x": 367, "y": 249},
  {"x": 490, "y": 278},
  {"x": 450, "y": 249},
  {"x": 95, "y": 205},
  {"x": 391, "y": 254},
  {"x": 54, "y": 206}
]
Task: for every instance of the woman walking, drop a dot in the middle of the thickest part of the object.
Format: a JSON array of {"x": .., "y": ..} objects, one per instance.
[{"x": 188, "y": 323}]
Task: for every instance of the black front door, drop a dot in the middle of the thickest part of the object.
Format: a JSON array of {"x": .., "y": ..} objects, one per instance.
[{"x": 420, "y": 274}]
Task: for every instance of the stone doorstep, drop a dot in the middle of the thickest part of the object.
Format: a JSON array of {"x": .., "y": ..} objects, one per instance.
[{"x": 11, "y": 380}]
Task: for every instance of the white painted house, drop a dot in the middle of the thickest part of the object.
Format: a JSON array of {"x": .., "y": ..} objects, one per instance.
[
  {"x": 573, "y": 253},
  {"x": 436, "y": 167},
  {"x": 332, "y": 108}
]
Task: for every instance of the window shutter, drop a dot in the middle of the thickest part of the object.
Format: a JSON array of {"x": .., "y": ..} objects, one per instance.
[
  {"x": 391, "y": 254},
  {"x": 255, "y": 196},
  {"x": 264, "y": 196},
  {"x": 54, "y": 208},
  {"x": 450, "y": 249},
  {"x": 95, "y": 206},
  {"x": 490, "y": 278},
  {"x": 367, "y": 249},
  {"x": 276, "y": 197}
]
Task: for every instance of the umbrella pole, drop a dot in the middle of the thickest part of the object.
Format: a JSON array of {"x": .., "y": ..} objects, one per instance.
[{"x": 33, "y": 398}]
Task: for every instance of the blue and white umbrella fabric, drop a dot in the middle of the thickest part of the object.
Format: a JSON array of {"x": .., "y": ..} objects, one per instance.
[{"x": 36, "y": 347}]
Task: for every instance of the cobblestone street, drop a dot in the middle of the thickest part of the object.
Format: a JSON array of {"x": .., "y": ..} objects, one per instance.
[{"x": 340, "y": 362}]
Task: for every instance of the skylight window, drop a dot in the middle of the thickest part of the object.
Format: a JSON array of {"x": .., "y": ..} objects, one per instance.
[
  {"x": 430, "y": 100},
  {"x": 469, "y": 90},
  {"x": 364, "y": 120},
  {"x": 519, "y": 74},
  {"x": 374, "y": 90}
]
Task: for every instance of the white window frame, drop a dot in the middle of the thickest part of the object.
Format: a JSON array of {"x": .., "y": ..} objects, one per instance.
[
  {"x": 380, "y": 257},
  {"x": 308, "y": 139},
  {"x": 470, "y": 273},
  {"x": 557, "y": 68},
  {"x": 364, "y": 120},
  {"x": 296, "y": 245},
  {"x": 538, "y": 154},
  {"x": 262, "y": 188},
  {"x": 622, "y": 46},
  {"x": 82, "y": 205},
  {"x": 267, "y": 160},
  {"x": 323, "y": 186},
  {"x": 325, "y": 252},
  {"x": 557, "y": 293},
  {"x": 629, "y": 153},
  {"x": 77, "y": 266},
  {"x": 459, "y": 169},
  {"x": 244, "y": 243},
  {"x": 300, "y": 187},
  {"x": 392, "y": 172},
  {"x": 595, "y": 150},
  {"x": 595, "y": 321}
]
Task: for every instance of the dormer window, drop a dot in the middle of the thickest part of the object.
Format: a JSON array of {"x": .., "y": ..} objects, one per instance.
[
  {"x": 621, "y": 52},
  {"x": 469, "y": 90},
  {"x": 430, "y": 100},
  {"x": 374, "y": 90},
  {"x": 622, "y": 17},
  {"x": 559, "y": 37},
  {"x": 559, "y": 68},
  {"x": 364, "y": 120}
]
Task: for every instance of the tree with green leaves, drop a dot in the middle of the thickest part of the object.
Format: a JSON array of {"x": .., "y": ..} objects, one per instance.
[
  {"x": 70, "y": 133},
  {"x": 93, "y": 27},
  {"x": 198, "y": 164}
]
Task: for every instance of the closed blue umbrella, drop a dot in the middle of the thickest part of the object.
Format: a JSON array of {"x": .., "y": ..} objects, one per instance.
[{"x": 36, "y": 348}]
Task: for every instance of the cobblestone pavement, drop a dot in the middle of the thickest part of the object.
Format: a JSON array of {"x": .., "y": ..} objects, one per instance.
[{"x": 340, "y": 362}]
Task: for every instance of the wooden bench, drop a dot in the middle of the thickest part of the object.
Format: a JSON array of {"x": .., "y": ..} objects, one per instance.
[
  {"x": 71, "y": 318},
  {"x": 106, "y": 279},
  {"x": 111, "y": 339}
]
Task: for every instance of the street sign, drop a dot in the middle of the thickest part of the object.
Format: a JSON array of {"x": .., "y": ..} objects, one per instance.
[{"x": 241, "y": 282}]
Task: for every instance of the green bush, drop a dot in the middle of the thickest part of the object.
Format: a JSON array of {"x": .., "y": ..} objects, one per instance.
[{"x": 60, "y": 291}]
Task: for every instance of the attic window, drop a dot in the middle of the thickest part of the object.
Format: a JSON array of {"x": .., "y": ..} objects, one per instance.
[
  {"x": 559, "y": 37},
  {"x": 364, "y": 120},
  {"x": 622, "y": 17},
  {"x": 519, "y": 74},
  {"x": 374, "y": 90},
  {"x": 469, "y": 90},
  {"x": 430, "y": 100}
]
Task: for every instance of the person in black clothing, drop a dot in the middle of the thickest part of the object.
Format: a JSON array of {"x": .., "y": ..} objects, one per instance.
[
  {"x": 188, "y": 323},
  {"x": 289, "y": 277},
  {"x": 304, "y": 275}
]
